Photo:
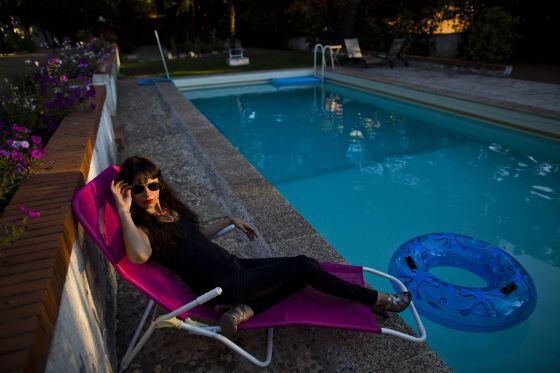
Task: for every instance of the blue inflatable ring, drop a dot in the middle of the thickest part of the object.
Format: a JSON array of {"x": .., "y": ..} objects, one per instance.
[{"x": 509, "y": 298}]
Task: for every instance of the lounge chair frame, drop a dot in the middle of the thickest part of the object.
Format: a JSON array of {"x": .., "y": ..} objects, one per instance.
[
  {"x": 236, "y": 53},
  {"x": 170, "y": 320},
  {"x": 354, "y": 53}
]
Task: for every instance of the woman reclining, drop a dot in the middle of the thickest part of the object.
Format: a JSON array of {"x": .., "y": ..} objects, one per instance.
[{"x": 158, "y": 226}]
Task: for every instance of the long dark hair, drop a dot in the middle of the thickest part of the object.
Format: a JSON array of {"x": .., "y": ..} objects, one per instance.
[{"x": 163, "y": 236}]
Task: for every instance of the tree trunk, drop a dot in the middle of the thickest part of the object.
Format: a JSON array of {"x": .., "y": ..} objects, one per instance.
[{"x": 231, "y": 16}]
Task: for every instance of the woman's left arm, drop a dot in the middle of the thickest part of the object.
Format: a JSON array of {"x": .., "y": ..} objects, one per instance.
[{"x": 211, "y": 230}]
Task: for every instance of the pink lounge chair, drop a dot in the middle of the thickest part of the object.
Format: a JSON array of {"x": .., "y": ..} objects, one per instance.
[{"x": 95, "y": 209}]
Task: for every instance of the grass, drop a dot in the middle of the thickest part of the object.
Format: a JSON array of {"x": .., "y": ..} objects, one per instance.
[{"x": 260, "y": 59}]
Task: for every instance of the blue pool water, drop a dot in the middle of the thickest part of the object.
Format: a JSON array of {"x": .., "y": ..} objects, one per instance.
[{"x": 369, "y": 173}]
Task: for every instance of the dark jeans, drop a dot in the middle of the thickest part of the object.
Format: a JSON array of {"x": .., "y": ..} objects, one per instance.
[{"x": 261, "y": 283}]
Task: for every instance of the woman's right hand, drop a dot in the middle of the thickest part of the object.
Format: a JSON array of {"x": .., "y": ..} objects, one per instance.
[{"x": 122, "y": 194}]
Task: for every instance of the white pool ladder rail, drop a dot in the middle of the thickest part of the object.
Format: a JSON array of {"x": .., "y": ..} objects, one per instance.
[{"x": 322, "y": 48}]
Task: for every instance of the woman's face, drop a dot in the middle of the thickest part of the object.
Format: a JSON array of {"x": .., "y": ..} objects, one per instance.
[{"x": 147, "y": 198}]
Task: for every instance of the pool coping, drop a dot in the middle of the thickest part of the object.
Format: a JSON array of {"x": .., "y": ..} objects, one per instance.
[
  {"x": 235, "y": 79},
  {"x": 524, "y": 118},
  {"x": 284, "y": 232}
]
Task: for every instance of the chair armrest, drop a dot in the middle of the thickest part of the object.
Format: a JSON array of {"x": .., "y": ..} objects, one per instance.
[
  {"x": 226, "y": 230},
  {"x": 236, "y": 53},
  {"x": 209, "y": 295}
]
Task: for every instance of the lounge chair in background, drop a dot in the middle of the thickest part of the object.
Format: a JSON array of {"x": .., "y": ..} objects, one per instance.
[
  {"x": 95, "y": 209},
  {"x": 235, "y": 51},
  {"x": 395, "y": 52},
  {"x": 354, "y": 53}
]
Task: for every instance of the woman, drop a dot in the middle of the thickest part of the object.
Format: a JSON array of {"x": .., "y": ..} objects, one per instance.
[{"x": 158, "y": 226}]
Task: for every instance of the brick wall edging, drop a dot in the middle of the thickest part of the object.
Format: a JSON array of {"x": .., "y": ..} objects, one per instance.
[{"x": 33, "y": 270}]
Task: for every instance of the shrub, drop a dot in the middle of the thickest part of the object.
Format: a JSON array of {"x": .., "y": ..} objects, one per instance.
[
  {"x": 16, "y": 43},
  {"x": 31, "y": 112},
  {"x": 373, "y": 35},
  {"x": 490, "y": 36}
]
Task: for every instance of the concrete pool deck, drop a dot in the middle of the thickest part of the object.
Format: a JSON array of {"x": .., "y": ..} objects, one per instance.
[
  {"x": 520, "y": 95},
  {"x": 217, "y": 181}
]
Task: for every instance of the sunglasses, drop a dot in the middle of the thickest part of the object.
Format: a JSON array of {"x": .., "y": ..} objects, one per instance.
[{"x": 139, "y": 188}]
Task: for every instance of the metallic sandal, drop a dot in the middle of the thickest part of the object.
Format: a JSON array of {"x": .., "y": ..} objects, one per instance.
[
  {"x": 234, "y": 317},
  {"x": 394, "y": 303}
]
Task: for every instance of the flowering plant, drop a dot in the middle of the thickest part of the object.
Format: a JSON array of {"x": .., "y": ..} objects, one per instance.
[
  {"x": 13, "y": 232},
  {"x": 20, "y": 150},
  {"x": 31, "y": 112}
]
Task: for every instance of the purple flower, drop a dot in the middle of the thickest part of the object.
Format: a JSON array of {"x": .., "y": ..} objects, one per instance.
[
  {"x": 35, "y": 139},
  {"x": 36, "y": 154},
  {"x": 15, "y": 127},
  {"x": 90, "y": 91},
  {"x": 20, "y": 167},
  {"x": 92, "y": 106},
  {"x": 4, "y": 153}
]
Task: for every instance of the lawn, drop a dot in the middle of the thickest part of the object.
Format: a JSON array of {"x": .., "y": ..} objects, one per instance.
[{"x": 261, "y": 59}]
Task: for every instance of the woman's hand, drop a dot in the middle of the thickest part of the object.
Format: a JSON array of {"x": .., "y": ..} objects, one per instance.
[
  {"x": 245, "y": 228},
  {"x": 122, "y": 194}
]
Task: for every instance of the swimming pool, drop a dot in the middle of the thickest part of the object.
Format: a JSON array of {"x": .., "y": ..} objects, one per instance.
[{"x": 369, "y": 172}]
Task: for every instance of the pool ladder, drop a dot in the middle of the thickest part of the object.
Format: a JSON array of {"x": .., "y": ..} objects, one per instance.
[{"x": 322, "y": 48}]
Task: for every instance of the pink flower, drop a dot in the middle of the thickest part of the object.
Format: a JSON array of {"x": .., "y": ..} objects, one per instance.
[
  {"x": 29, "y": 212},
  {"x": 33, "y": 214},
  {"x": 64, "y": 78},
  {"x": 35, "y": 139},
  {"x": 15, "y": 127},
  {"x": 36, "y": 154},
  {"x": 16, "y": 155}
]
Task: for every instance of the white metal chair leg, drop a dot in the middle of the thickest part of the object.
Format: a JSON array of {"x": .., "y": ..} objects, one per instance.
[
  {"x": 137, "y": 333},
  {"x": 129, "y": 356},
  {"x": 232, "y": 345},
  {"x": 138, "y": 347},
  {"x": 421, "y": 329}
]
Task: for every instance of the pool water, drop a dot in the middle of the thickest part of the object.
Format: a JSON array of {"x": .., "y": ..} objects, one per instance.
[{"x": 369, "y": 173}]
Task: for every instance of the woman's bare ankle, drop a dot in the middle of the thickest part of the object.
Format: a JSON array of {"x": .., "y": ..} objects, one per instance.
[{"x": 381, "y": 298}]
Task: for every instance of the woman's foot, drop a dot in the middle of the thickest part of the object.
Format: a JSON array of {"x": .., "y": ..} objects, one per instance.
[
  {"x": 234, "y": 317},
  {"x": 391, "y": 303}
]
